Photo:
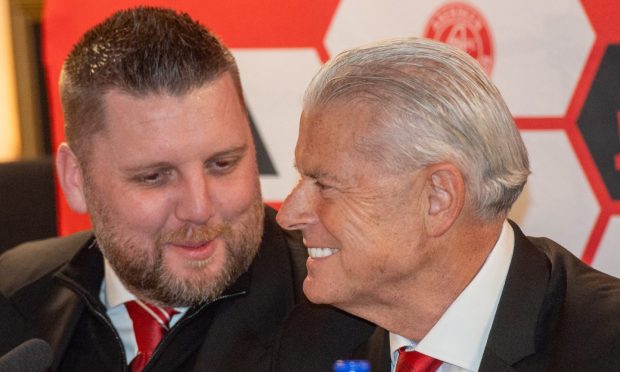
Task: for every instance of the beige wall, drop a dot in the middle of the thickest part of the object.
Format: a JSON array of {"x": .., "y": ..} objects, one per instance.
[{"x": 10, "y": 147}]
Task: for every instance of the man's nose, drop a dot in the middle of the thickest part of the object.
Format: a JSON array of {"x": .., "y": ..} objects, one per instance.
[
  {"x": 194, "y": 202},
  {"x": 297, "y": 211}
]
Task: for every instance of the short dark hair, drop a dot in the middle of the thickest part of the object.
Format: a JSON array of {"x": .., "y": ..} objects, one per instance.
[{"x": 140, "y": 51}]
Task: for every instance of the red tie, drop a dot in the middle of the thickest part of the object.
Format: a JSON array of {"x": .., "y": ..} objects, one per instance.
[
  {"x": 412, "y": 361},
  {"x": 150, "y": 323}
]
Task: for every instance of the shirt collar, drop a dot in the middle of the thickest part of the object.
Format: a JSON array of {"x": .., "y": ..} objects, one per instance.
[
  {"x": 114, "y": 291},
  {"x": 460, "y": 335}
]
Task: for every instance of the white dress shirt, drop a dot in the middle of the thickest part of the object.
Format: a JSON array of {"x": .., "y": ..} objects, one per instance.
[
  {"x": 459, "y": 337},
  {"x": 113, "y": 294}
]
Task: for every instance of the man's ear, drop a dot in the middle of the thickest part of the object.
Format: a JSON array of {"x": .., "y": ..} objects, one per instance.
[
  {"x": 71, "y": 178},
  {"x": 446, "y": 197}
]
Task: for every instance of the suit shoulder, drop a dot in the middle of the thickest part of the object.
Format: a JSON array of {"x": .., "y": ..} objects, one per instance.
[
  {"x": 591, "y": 298},
  {"x": 576, "y": 303},
  {"x": 575, "y": 269},
  {"x": 28, "y": 262}
]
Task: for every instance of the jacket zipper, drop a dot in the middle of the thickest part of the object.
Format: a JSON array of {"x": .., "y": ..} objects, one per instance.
[
  {"x": 103, "y": 318},
  {"x": 183, "y": 321},
  {"x": 119, "y": 342}
]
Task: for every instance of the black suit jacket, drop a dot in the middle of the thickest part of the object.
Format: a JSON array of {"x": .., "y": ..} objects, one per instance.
[
  {"x": 555, "y": 314},
  {"x": 50, "y": 290}
]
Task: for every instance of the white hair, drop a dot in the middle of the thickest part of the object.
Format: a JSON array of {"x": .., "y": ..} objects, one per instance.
[{"x": 433, "y": 104}]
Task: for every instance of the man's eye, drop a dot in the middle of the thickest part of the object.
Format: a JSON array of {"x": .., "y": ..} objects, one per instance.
[
  {"x": 321, "y": 186},
  {"x": 153, "y": 178},
  {"x": 222, "y": 166}
]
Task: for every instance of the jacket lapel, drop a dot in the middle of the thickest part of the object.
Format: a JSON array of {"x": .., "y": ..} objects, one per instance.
[{"x": 523, "y": 315}]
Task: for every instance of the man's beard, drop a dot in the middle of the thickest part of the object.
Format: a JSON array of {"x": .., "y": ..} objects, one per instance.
[{"x": 145, "y": 273}]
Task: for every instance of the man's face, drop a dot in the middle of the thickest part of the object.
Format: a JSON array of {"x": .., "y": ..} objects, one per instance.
[
  {"x": 172, "y": 189},
  {"x": 360, "y": 221}
]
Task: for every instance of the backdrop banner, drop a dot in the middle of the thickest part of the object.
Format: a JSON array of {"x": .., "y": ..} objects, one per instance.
[{"x": 557, "y": 65}]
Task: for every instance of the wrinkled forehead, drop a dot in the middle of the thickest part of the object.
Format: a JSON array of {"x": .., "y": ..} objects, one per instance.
[
  {"x": 336, "y": 124},
  {"x": 340, "y": 130}
]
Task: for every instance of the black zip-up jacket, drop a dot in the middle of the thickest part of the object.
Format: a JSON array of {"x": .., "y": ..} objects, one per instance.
[{"x": 49, "y": 289}]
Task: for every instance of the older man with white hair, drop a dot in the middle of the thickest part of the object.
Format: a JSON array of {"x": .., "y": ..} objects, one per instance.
[{"x": 410, "y": 162}]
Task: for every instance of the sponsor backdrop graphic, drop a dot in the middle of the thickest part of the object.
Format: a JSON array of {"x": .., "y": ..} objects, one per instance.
[{"x": 556, "y": 63}]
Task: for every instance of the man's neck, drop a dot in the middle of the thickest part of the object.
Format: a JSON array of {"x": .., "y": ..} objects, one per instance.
[{"x": 412, "y": 307}]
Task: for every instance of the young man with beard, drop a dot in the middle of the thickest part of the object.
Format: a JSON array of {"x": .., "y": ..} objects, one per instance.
[{"x": 184, "y": 270}]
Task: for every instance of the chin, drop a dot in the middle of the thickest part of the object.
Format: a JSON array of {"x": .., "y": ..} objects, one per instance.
[
  {"x": 315, "y": 293},
  {"x": 195, "y": 269}
]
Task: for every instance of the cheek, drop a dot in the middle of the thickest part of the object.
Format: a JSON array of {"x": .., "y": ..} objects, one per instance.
[
  {"x": 233, "y": 196},
  {"x": 356, "y": 227},
  {"x": 365, "y": 239},
  {"x": 141, "y": 212}
]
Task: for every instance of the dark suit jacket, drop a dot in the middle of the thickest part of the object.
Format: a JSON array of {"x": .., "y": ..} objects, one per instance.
[
  {"x": 555, "y": 314},
  {"x": 50, "y": 290}
]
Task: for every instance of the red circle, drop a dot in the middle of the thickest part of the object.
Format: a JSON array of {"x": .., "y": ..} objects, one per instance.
[{"x": 464, "y": 27}]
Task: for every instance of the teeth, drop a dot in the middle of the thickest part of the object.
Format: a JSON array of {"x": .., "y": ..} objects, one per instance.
[{"x": 321, "y": 252}]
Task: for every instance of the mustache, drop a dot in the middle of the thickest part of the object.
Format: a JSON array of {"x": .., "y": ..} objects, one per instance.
[{"x": 192, "y": 234}]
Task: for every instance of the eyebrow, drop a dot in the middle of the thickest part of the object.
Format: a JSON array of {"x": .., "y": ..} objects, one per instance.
[
  {"x": 142, "y": 168},
  {"x": 318, "y": 174},
  {"x": 239, "y": 150},
  {"x": 235, "y": 151}
]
